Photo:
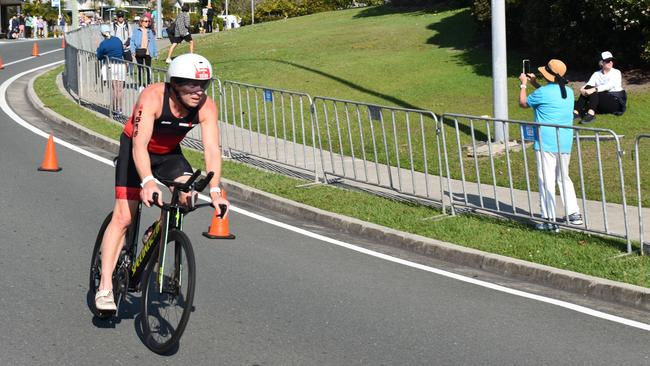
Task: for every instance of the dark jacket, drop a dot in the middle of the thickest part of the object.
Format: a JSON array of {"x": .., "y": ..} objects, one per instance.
[{"x": 111, "y": 47}]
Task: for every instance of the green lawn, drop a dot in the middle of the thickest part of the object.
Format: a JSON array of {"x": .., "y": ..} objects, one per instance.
[
  {"x": 573, "y": 251},
  {"x": 412, "y": 59}
]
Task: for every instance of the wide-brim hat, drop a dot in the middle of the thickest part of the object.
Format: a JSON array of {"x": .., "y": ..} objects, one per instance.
[{"x": 553, "y": 67}]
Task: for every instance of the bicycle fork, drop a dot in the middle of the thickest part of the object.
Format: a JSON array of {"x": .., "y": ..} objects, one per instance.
[{"x": 175, "y": 277}]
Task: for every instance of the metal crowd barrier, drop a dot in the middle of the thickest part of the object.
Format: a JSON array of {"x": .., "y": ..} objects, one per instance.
[
  {"x": 70, "y": 71},
  {"x": 382, "y": 146},
  {"x": 637, "y": 158},
  {"x": 496, "y": 184},
  {"x": 272, "y": 124},
  {"x": 407, "y": 151}
]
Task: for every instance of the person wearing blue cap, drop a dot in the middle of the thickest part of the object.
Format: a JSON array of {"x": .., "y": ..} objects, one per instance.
[{"x": 114, "y": 70}]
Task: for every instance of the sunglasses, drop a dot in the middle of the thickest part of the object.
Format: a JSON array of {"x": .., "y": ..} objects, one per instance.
[
  {"x": 144, "y": 21},
  {"x": 190, "y": 86}
]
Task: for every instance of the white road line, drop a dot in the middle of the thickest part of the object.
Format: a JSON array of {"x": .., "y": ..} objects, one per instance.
[
  {"x": 567, "y": 305},
  {"x": 23, "y": 40},
  {"x": 5, "y": 107},
  {"x": 31, "y": 57}
]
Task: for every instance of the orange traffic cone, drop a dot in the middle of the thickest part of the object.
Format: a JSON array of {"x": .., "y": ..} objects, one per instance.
[
  {"x": 2, "y": 64},
  {"x": 49, "y": 160},
  {"x": 219, "y": 227},
  {"x": 63, "y": 42},
  {"x": 35, "y": 50}
]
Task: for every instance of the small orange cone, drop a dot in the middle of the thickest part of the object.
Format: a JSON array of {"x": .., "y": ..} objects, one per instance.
[
  {"x": 2, "y": 64},
  {"x": 35, "y": 50},
  {"x": 63, "y": 42},
  {"x": 49, "y": 160},
  {"x": 219, "y": 227}
]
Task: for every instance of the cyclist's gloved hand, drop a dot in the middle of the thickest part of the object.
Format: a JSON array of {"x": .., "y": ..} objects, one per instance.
[{"x": 146, "y": 195}]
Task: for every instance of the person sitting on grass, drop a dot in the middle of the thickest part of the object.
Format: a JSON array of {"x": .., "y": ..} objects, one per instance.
[{"x": 603, "y": 93}]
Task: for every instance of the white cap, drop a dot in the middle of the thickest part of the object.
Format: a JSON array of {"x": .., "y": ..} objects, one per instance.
[{"x": 606, "y": 55}]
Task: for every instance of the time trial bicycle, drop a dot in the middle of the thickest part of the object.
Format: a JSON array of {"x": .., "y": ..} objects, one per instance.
[{"x": 164, "y": 270}]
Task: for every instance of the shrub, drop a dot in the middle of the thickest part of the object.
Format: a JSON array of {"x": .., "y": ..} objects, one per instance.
[{"x": 575, "y": 30}]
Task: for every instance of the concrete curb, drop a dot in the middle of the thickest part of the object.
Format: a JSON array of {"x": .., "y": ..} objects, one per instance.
[
  {"x": 74, "y": 128},
  {"x": 603, "y": 289}
]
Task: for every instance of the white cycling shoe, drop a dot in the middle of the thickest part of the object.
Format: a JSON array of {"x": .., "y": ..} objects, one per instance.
[{"x": 104, "y": 301}]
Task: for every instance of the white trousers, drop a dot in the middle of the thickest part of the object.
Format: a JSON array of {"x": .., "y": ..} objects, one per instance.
[{"x": 548, "y": 173}]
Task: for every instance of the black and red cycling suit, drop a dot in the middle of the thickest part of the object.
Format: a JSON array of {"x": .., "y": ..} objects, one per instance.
[{"x": 167, "y": 161}]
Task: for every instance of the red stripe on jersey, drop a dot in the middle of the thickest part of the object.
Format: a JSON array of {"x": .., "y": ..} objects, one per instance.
[
  {"x": 163, "y": 143},
  {"x": 159, "y": 143},
  {"x": 127, "y": 193}
]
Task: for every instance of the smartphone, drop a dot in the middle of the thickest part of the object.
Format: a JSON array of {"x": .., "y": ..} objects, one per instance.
[{"x": 525, "y": 66}]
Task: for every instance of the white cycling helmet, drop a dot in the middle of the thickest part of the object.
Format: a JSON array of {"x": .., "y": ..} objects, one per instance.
[{"x": 190, "y": 66}]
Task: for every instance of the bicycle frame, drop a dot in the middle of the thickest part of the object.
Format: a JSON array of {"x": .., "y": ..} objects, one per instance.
[{"x": 172, "y": 216}]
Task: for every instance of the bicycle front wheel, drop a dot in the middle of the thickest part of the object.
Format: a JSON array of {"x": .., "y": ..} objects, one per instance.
[{"x": 168, "y": 293}]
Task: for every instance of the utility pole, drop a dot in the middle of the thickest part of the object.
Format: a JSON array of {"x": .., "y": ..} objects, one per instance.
[
  {"x": 499, "y": 70},
  {"x": 252, "y": 12},
  {"x": 75, "y": 14},
  {"x": 158, "y": 19}
]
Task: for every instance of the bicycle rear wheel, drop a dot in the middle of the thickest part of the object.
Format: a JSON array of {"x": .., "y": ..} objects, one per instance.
[{"x": 165, "y": 313}]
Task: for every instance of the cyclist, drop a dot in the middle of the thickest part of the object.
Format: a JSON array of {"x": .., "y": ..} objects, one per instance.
[{"x": 150, "y": 146}]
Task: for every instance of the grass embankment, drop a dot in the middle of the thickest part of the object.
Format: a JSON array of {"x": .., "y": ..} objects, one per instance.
[
  {"x": 414, "y": 59},
  {"x": 587, "y": 254}
]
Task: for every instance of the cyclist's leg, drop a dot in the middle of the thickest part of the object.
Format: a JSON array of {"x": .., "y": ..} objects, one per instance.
[
  {"x": 127, "y": 196},
  {"x": 114, "y": 239}
]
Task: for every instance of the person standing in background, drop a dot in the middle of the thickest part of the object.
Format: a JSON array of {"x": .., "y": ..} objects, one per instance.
[
  {"x": 21, "y": 26},
  {"x": 210, "y": 17},
  {"x": 552, "y": 104},
  {"x": 123, "y": 32},
  {"x": 113, "y": 69},
  {"x": 62, "y": 25},
  {"x": 182, "y": 32},
  {"x": 204, "y": 20},
  {"x": 29, "y": 25},
  {"x": 39, "y": 27},
  {"x": 143, "y": 46},
  {"x": 154, "y": 19}
]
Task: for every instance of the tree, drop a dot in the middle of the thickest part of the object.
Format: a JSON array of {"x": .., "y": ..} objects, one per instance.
[{"x": 44, "y": 9}]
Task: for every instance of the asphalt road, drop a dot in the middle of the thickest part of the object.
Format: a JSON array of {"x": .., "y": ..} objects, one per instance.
[{"x": 273, "y": 296}]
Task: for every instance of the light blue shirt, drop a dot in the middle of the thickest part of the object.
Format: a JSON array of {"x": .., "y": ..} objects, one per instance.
[{"x": 549, "y": 107}]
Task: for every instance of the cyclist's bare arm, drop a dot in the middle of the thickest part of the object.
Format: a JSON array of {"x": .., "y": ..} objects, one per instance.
[
  {"x": 212, "y": 151},
  {"x": 149, "y": 106}
]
